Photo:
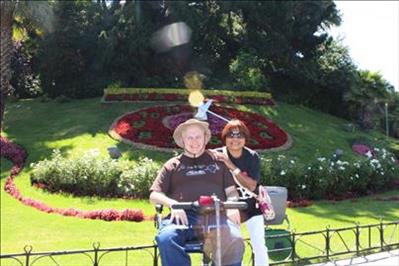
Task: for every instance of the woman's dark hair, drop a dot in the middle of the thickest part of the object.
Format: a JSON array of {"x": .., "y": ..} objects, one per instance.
[{"x": 235, "y": 124}]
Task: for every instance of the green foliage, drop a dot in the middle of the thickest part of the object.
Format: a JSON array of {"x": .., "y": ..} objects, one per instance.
[
  {"x": 92, "y": 174},
  {"x": 366, "y": 99},
  {"x": 85, "y": 175},
  {"x": 385, "y": 170},
  {"x": 247, "y": 73},
  {"x": 35, "y": 14},
  {"x": 281, "y": 171},
  {"x": 392, "y": 111},
  {"x": 327, "y": 178},
  {"x": 320, "y": 80},
  {"x": 24, "y": 81},
  {"x": 114, "y": 86},
  {"x": 137, "y": 180},
  {"x": 66, "y": 55},
  {"x": 96, "y": 44}
]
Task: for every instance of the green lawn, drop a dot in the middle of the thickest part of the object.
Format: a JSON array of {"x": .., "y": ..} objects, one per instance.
[{"x": 80, "y": 125}]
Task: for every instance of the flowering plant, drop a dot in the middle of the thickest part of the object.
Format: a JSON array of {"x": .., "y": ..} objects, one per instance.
[
  {"x": 325, "y": 178},
  {"x": 156, "y": 94}
]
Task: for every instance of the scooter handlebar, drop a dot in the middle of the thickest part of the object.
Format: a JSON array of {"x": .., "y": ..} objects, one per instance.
[{"x": 224, "y": 205}]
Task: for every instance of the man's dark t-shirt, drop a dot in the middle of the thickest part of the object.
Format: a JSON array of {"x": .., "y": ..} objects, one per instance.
[{"x": 186, "y": 179}]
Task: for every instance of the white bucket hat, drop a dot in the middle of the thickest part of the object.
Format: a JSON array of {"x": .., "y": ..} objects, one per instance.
[{"x": 178, "y": 133}]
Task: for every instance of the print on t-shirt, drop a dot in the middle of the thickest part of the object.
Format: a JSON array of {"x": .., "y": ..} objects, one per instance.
[{"x": 198, "y": 169}]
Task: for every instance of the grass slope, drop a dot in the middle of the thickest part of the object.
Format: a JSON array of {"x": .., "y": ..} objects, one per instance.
[{"x": 80, "y": 125}]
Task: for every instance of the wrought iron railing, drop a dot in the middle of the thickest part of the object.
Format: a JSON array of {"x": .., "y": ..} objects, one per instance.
[
  {"x": 295, "y": 248},
  {"x": 326, "y": 244}
]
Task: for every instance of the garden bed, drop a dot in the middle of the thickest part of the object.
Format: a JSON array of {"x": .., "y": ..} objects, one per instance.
[{"x": 112, "y": 95}]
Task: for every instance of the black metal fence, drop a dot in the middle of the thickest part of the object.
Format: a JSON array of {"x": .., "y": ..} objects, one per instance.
[
  {"x": 289, "y": 248},
  {"x": 332, "y": 243}
]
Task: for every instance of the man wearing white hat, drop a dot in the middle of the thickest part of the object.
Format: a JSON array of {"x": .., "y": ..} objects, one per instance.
[{"x": 185, "y": 178}]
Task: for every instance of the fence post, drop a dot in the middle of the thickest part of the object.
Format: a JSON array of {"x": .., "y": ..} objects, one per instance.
[
  {"x": 293, "y": 247},
  {"x": 369, "y": 230},
  {"x": 381, "y": 235},
  {"x": 28, "y": 250},
  {"x": 155, "y": 255},
  {"x": 96, "y": 247},
  {"x": 357, "y": 233},
  {"x": 328, "y": 242}
]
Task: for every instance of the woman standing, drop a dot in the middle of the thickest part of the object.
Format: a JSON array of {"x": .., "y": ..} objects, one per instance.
[{"x": 244, "y": 163}]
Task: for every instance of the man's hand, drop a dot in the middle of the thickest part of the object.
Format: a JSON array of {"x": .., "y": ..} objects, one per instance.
[
  {"x": 234, "y": 216},
  {"x": 179, "y": 216}
]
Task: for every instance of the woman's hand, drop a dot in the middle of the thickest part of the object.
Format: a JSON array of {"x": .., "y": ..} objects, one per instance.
[
  {"x": 225, "y": 159},
  {"x": 234, "y": 216}
]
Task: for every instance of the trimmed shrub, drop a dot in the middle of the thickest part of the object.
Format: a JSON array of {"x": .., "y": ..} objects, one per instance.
[
  {"x": 92, "y": 174},
  {"x": 115, "y": 94},
  {"x": 329, "y": 179},
  {"x": 283, "y": 171},
  {"x": 323, "y": 178},
  {"x": 136, "y": 181}
]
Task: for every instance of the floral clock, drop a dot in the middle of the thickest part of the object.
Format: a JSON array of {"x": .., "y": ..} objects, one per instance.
[{"x": 153, "y": 127}]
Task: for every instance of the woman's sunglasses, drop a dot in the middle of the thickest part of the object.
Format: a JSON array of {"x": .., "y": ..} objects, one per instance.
[{"x": 235, "y": 134}]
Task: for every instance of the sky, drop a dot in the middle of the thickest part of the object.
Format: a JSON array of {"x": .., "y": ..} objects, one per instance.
[{"x": 370, "y": 29}]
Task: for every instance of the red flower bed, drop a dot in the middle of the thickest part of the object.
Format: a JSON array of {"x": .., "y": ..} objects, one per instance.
[
  {"x": 299, "y": 203},
  {"x": 17, "y": 155},
  {"x": 154, "y": 127}
]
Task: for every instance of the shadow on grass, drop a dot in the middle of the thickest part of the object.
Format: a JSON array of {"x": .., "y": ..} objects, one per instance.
[
  {"x": 89, "y": 200},
  {"x": 5, "y": 168},
  {"x": 41, "y": 127},
  {"x": 134, "y": 153},
  {"x": 348, "y": 211}
]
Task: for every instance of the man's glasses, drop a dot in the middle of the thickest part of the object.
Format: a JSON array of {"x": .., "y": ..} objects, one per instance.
[{"x": 235, "y": 134}]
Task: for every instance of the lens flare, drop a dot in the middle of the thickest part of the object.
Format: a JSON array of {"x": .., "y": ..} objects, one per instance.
[
  {"x": 171, "y": 36},
  {"x": 193, "y": 80}
]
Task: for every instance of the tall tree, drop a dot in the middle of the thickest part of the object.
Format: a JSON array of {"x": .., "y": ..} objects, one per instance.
[
  {"x": 34, "y": 12},
  {"x": 63, "y": 54},
  {"x": 366, "y": 99},
  {"x": 7, "y": 12}
]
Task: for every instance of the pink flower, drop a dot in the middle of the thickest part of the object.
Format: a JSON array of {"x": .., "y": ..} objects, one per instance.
[{"x": 363, "y": 150}]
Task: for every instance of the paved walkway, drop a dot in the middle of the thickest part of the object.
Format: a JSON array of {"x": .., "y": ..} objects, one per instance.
[{"x": 389, "y": 258}]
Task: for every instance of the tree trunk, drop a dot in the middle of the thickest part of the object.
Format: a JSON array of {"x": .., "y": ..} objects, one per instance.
[{"x": 7, "y": 12}]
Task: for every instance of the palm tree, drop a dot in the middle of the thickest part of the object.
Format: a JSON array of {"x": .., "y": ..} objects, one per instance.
[
  {"x": 367, "y": 95},
  {"x": 394, "y": 115},
  {"x": 37, "y": 13}
]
